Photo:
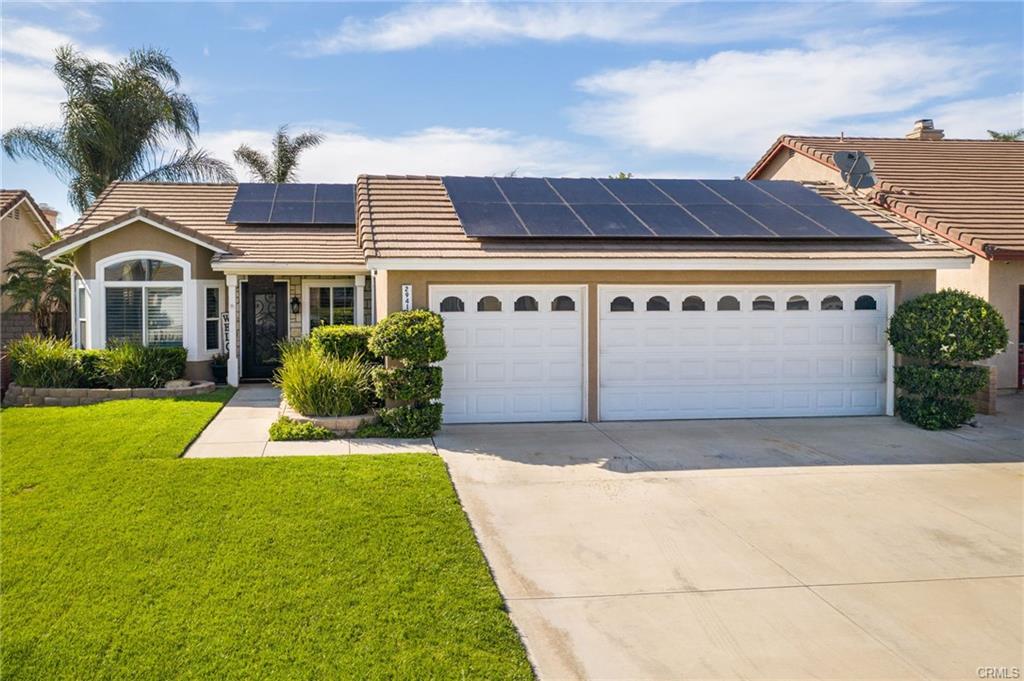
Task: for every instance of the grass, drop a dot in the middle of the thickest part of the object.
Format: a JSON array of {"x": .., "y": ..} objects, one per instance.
[{"x": 121, "y": 560}]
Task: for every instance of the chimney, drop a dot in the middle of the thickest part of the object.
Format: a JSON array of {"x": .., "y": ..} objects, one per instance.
[
  {"x": 924, "y": 129},
  {"x": 49, "y": 213}
]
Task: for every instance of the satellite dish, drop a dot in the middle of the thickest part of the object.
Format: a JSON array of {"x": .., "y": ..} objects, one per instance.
[{"x": 856, "y": 168}]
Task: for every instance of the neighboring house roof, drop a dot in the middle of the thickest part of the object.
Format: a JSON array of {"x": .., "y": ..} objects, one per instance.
[
  {"x": 12, "y": 198},
  {"x": 201, "y": 210},
  {"x": 412, "y": 217},
  {"x": 969, "y": 191}
]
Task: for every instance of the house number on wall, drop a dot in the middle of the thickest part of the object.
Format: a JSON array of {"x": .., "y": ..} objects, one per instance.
[{"x": 406, "y": 296}]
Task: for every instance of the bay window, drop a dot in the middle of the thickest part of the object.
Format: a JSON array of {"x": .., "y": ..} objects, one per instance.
[{"x": 144, "y": 302}]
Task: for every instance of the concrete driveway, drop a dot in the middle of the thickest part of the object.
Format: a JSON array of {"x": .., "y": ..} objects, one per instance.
[{"x": 856, "y": 548}]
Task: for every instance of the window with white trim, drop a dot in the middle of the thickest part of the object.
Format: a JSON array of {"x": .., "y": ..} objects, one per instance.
[
  {"x": 211, "y": 302},
  {"x": 144, "y": 302},
  {"x": 331, "y": 305},
  {"x": 82, "y": 308}
]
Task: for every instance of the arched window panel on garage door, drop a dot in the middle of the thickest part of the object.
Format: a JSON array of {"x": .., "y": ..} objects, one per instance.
[
  {"x": 453, "y": 304},
  {"x": 797, "y": 303},
  {"x": 563, "y": 304},
  {"x": 693, "y": 304},
  {"x": 488, "y": 304},
  {"x": 728, "y": 304},
  {"x": 658, "y": 304},
  {"x": 865, "y": 303},
  {"x": 622, "y": 304},
  {"x": 525, "y": 304}
]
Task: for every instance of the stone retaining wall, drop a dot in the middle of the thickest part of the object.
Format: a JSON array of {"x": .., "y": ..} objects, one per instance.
[
  {"x": 339, "y": 425},
  {"x": 17, "y": 396}
]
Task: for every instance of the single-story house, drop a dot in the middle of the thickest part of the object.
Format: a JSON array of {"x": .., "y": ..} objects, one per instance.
[
  {"x": 23, "y": 224},
  {"x": 563, "y": 299},
  {"x": 969, "y": 193}
]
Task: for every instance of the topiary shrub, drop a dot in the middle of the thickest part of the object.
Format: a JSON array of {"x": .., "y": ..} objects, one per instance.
[
  {"x": 413, "y": 383},
  {"x": 129, "y": 365},
  {"x": 284, "y": 429},
  {"x": 322, "y": 385},
  {"x": 40, "y": 362},
  {"x": 411, "y": 340},
  {"x": 344, "y": 341},
  {"x": 941, "y": 332},
  {"x": 413, "y": 336},
  {"x": 948, "y": 326},
  {"x": 412, "y": 420}
]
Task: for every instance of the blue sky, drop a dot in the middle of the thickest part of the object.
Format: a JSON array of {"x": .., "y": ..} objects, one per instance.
[{"x": 685, "y": 90}]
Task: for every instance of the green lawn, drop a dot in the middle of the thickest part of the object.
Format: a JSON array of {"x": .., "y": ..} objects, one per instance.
[{"x": 121, "y": 560}]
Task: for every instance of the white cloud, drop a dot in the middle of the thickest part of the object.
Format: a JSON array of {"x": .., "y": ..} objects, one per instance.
[
  {"x": 734, "y": 104},
  {"x": 430, "y": 151},
  {"x": 38, "y": 43},
  {"x": 477, "y": 23},
  {"x": 973, "y": 118}
]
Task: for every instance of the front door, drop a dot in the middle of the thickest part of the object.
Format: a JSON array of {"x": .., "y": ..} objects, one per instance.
[{"x": 264, "y": 325}]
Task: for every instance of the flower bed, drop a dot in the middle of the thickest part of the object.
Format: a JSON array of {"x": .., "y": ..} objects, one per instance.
[
  {"x": 339, "y": 425},
  {"x": 18, "y": 396}
]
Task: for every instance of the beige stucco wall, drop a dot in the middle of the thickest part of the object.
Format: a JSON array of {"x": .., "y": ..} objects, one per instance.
[
  {"x": 20, "y": 229},
  {"x": 792, "y": 165},
  {"x": 389, "y": 291},
  {"x": 140, "y": 236}
]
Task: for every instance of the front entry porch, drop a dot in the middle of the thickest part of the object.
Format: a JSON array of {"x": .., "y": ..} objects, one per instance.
[{"x": 265, "y": 309}]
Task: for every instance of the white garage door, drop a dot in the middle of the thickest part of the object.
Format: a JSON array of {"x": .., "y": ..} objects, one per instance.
[
  {"x": 515, "y": 353},
  {"x": 721, "y": 351}
]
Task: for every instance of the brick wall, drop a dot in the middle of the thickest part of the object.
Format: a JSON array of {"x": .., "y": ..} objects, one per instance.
[{"x": 13, "y": 325}]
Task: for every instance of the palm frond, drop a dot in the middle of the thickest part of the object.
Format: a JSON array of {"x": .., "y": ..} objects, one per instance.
[
  {"x": 40, "y": 144},
  {"x": 255, "y": 162},
  {"x": 190, "y": 165}
]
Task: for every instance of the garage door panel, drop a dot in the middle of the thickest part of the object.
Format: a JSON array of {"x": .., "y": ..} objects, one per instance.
[
  {"x": 512, "y": 365},
  {"x": 781, "y": 362}
]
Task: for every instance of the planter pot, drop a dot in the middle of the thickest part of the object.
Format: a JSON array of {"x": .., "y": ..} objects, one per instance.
[{"x": 220, "y": 372}]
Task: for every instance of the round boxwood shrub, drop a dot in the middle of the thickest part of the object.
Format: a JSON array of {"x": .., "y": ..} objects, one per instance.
[
  {"x": 413, "y": 336},
  {"x": 948, "y": 326},
  {"x": 344, "y": 341},
  {"x": 412, "y": 383},
  {"x": 943, "y": 331}
]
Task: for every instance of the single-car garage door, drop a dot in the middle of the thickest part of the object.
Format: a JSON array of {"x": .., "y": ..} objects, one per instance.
[
  {"x": 515, "y": 353},
  {"x": 681, "y": 352}
]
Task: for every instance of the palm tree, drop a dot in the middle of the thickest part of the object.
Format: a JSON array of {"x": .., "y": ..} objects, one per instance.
[
  {"x": 40, "y": 287},
  {"x": 285, "y": 162},
  {"x": 117, "y": 122},
  {"x": 1011, "y": 136}
]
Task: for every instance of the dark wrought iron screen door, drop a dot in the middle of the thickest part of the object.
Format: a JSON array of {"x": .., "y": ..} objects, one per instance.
[{"x": 264, "y": 325}]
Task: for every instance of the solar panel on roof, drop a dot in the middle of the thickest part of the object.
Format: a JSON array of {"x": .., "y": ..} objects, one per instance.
[
  {"x": 292, "y": 212},
  {"x": 478, "y": 189},
  {"x": 635, "y": 191},
  {"x": 669, "y": 220},
  {"x": 785, "y": 221},
  {"x": 489, "y": 219},
  {"x": 527, "y": 190},
  {"x": 685, "y": 192},
  {"x": 610, "y": 219},
  {"x": 636, "y": 208},
  {"x": 334, "y": 213},
  {"x": 581, "y": 190},
  {"x": 250, "y": 211},
  {"x": 550, "y": 219},
  {"x": 324, "y": 204},
  {"x": 727, "y": 221}
]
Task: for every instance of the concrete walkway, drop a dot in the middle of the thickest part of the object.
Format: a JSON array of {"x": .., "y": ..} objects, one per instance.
[
  {"x": 242, "y": 429},
  {"x": 856, "y": 548}
]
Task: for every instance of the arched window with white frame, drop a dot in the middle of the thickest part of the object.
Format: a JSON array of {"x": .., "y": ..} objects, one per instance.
[{"x": 144, "y": 299}]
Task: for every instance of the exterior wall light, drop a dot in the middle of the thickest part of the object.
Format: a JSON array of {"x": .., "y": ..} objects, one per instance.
[{"x": 296, "y": 305}]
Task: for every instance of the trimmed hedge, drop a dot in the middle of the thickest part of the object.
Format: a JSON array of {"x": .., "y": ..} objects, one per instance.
[
  {"x": 941, "y": 380},
  {"x": 344, "y": 341},
  {"x": 284, "y": 429},
  {"x": 38, "y": 362},
  {"x": 935, "y": 413},
  {"x": 412, "y": 420},
  {"x": 948, "y": 326},
  {"x": 413, "y": 336},
  {"x": 943, "y": 331},
  {"x": 414, "y": 383}
]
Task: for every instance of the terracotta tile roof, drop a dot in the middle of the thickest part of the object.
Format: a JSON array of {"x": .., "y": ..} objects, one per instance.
[
  {"x": 970, "y": 191},
  {"x": 10, "y": 198},
  {"x": 203, "y": 209},
  {"x": 412, "y": 217}
]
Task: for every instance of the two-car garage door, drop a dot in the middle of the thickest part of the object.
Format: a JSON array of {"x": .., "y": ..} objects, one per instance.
[{"x": 516, "y": 353}]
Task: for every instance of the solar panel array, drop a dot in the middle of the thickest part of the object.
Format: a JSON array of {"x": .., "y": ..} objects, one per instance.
[
  {"x": 637, "y": 208},
  {"x": 294, "y": 204}
]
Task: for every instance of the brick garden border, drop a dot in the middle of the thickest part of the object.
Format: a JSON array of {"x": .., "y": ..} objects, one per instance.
[{"x": 18, "y": 396}]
